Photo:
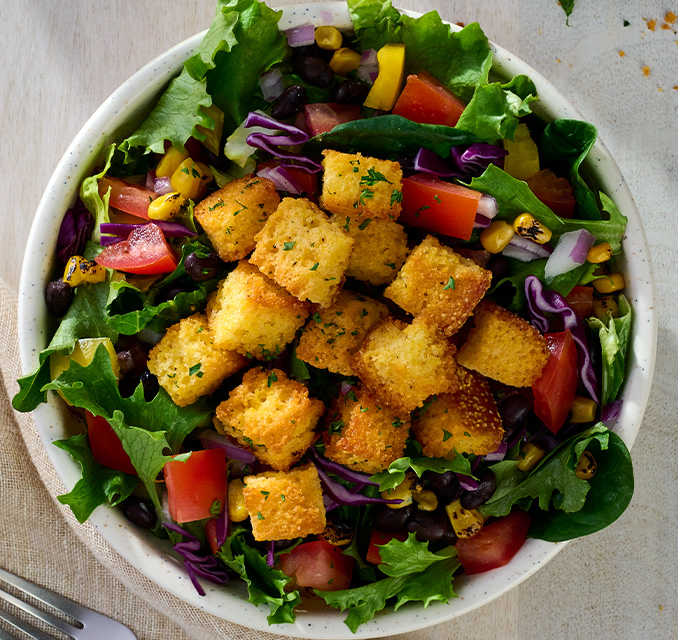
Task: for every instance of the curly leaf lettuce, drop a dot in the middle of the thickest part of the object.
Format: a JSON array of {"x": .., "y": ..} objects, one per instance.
[{"x": 396, "y": 471}]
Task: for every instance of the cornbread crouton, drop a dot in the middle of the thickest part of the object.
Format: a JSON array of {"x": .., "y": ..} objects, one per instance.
[
  {"x": 187, "y": 363},
  {"x": 403, "y": 364},
  {"x": 303, "y": 251},
  {"x": 504, "y": 347},
  {"x": 357, "y": 185},
  {"x": 362, "y": 434},
  {"x": 440, "y": 285},
  {"x": 380, "y": 247},
  {"x": 253, "y": 315},
  {"x": 234, "y": 214},
  {"x": 466, "y": 420},
  {"x": 332, "y": 335},
  {"x": 272, "y": 416},
  {"x": 285, "y": 505}
]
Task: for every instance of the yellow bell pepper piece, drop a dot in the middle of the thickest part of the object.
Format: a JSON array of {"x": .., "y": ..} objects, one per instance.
[
  {"x": 387, "y": 86},
  {"x": 522, "y": 160}
]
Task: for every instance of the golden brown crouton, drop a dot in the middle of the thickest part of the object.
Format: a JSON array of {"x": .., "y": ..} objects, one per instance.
[
  {"x": 403, "y": 364},
  {"x": 357, "y": 185},
  {"x": 332, "y": 335},
  {"x": 253, "y": 315},
  {"x": 303, "y": 251},
  {"x": 363, "y": 434},
  {"x": 380, "y": 247},
  {"x": 285, "y": 505},
  {"x": 504, "y": 347},
  {"x": 440, "y": 285},
  {"x": 187, "y": 363},
  {"x": 466, "y": 420},
  {"x": 234, "y": 214},
  {"x": 272, "y": 416}
]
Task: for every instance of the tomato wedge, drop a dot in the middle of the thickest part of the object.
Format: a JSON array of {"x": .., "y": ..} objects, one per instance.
[
  {"x": 580, "y": 300},
  {"x": 495, "y": 544},
  {"x": 318, "y": 565},
  {"x": 380, "y": 538},
  {"x": 106, "y": 446},
  {"x": 427, "y": 101},
  {"x": 435, "y": 205},
  {"x": 556, "y": 193},
  {"x": 555, "y": 389},
  {"x": 145, "y": 251},
  {"x": 126, "y": 197},
  {"x": 324, "y": 116},
  {"x": 194, "y": 486}
]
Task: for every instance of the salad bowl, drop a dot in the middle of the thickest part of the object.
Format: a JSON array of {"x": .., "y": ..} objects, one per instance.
[{"x": 115, "y": 119}]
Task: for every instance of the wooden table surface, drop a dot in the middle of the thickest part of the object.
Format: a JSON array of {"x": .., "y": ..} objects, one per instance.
[{"x": 61, "y": 59}]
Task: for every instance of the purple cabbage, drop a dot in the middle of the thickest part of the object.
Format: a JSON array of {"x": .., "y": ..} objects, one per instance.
[
  {"x": 76, "y": 228},
  {"x": 339, "y": 494},
  {"x": 339, "y": 470},
  {"x": 610, "y": 412},
  {"x": 473, "y": 161},
  {"x": 427, "y": 161},
  {"x": 270, "y": 556},
  {"x": 233, "y": 451}
]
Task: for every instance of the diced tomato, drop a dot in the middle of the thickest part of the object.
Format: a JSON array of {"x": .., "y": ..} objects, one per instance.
[
  {"x": 427, "y": 101},
  {"x": 211, "y": 534},
  {"x": 106, "y": 446},
  {"x": 495, "y": 544},
  {"x": 318, "y": 565},
  {"x": 555, "y": 389},
  {"x": 145, "y": 251},
  {"x": 581, "y": 300},
  {"x": 194, "y": 486},
  {"x": 554, "y": 192},
  {"x": 435, "y": 205},
  {"x": 380, "y": 538},
  {"x": 324, "y": 116},
  {"x": 127, "y": 197}
]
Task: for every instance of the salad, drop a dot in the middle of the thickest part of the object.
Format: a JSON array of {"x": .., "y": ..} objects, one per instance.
[{"x": 342, "y": 318}]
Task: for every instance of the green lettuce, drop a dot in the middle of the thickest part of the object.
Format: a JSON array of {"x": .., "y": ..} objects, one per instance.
[
  {"x": 396, "y": 471},
  {"x": 89, "y": 194}
]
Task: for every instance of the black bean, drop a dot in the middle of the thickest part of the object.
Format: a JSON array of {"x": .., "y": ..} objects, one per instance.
[
  {"x": 169, "y": 293},
  {"x": 201, "y": 269},
  {"x": 220, "y": 161},
  {"x": 139, "y": 512},
  {"x": 515, "y": 412},
  {"x": 314, "y": 71},
  {"x": 151, "y": 386},
  {"x": 486, "y": 487},
  {"x": 349, "y": 92},
  {"x": 132, "y": 356},
  {"x": 314, "y": 51},
  {"x": 444, "y": 485},
  {"x": 429, "y": 526},
  {"x": 58, "y": 297},
  {"x": 387, "y": 519},
  {"x": 290, "y": 102},
  {"x": 499, "y": 266},
  {"x": 127, "y": 385}
]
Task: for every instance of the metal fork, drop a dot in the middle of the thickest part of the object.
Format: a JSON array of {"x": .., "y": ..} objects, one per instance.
[{"x": 89, "y": 625}]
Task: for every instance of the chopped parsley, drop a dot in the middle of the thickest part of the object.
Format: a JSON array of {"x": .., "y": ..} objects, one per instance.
[
  {"x": 446, "y": 435},
  {"x": 271, "y": 379},
  {"x": 396, "y": 196},
  {"x": 363, "y": 225},
  {"x": 314, "y": 267},
  {"x": 336, "y": 426},
  {"x": 195, "y": 370},
  {"x": 259, "y": 516},
  {"x": 420, "y": 209},
  {"x": 366, "y": 194},
  {"x": 450, "y": 284},
  {"x": 288, "y": 246},
  {"x": 372, "y": 177}
]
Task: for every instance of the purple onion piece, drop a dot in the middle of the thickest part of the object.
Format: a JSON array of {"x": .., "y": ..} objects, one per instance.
[
  {"x": 150, "y": 180},
  {"x": 487, "y": 206},
  {"x": 301, "y": 36},
  {"x": 481, "y": 222},
  {"x": 270, "y": 557},
  {"x": 282, "y": 179},
  {"x": 211, "y": 440},
  {"x": 498, "y": 455},
  {"x": 76, "y": 228},
  {"x": 339, "y": 470},
  {"x": 162, "y": 186},
  {"x": 427, "y": 161},
  {"x": 570, "y": 252},
  {"x": 345, "y": 387},
  {"x": 272, "y": 84},
  {"x": 526, "y": 246},
  {"x": 466, "y": 482},
  {"x": 341, "y": 495},
  {"x": 369, "y": 66},
  {"x": 610, "y": 412},
  {"x": 294, "y": 136}
]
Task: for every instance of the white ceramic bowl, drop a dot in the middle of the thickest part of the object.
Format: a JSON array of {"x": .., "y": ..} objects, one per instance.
[{"x": 111, "y": 122}]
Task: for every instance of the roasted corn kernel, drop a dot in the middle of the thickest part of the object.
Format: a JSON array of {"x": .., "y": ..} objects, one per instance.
[
  {"x": 190, "y": 179},
  {"x": 344, "y": 60},
  {"x": 338, "y": 534},
  {"x": 237, "y": 512},
  {"x": 582, "y": 410},
  {"x": 604, "y": 306},
  {"x": 610, "y": 283},
  {"x": 530, "y": 454},
  {"x": 527, "y": 226},
  {"x": 586, "y": 467},
  {"x": 166, "y": 207},
  {"x": 79, "y": 270},
  {"x": 426, "y": 500},
  {"x": 465, "y": 522},
  {"x": 328, "y": 38},
  {"x": 599, "y": 253},
  {"x": 402, "y": 492},
  {"x": 169, "y": 162},
  {"x": 495, "y": 238}
]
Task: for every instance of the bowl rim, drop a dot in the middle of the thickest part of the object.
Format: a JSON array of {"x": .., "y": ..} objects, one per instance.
[{"x": 151, "y": 556}]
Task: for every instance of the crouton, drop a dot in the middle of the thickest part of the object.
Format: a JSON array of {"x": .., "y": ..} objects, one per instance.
[
  {"x": 303, "y": 251},
  {"x": 285, "y": 505},
  {"x": 357, "y": 185},
  {"x": 234, "y": 214},
  {"x": 333, "y": 335},
  {"x": 380, "y": 247},
  {"x": 253, "y": 315},
  {"x": 403, "y": 364},
  {"x": 440, "y": 285},
  {"x": 504, "y": 347},
  {"x": 272, "y": 416},
  {"x": 466, "y": 420},
  {"x": 187, "y": 363},
  {"x": 364, "y": 435}
]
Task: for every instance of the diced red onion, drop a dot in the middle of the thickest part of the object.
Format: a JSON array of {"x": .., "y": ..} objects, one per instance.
[
  {"x": 481, "y": 222},
  {"x": 428, "y": 161},
  {"x": 570, "y": 252},
  {"x": 339, "y": 470},
  {"x": 162, "y": 186},
  {"x": 487, "y": 206},
  {"x": 498, "y": 455},
  {"x": 270, "y": 556},
  {"x": 466, "y": 482},
  {"x": 150, "y": 180},
  {"x": 345, "y": 387},
  {"x": 282, "y": 179},
  {"x": 341, "y": 495},
  {"x": 369, "y": 66},
  {"x": 213, "y": 440},
  {"x": 525, "y": 250},
  {"x": 301, "y": 36},
  {"x": 272, "y": 84}
]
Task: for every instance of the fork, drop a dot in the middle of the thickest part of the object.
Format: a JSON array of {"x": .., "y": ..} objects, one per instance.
[{"x": 89, "y": 625}]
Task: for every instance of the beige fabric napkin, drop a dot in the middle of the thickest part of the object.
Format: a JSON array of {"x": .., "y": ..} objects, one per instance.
[{"x": 42, "y": 540}]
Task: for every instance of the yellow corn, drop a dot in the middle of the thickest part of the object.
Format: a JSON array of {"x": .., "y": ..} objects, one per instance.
[
  {"x": 522, "y": 160},
  {"x": 531, "y": 454},
  {"x": 328, "y": 38},
  {"x": 166, "y": 207},
  {"x": 465, "y": 522},
  {"x": 582, "y": 410},
  {"x": 528, "y": 226},
  {"x": 609, "y": 283},
  {"x": 237, "y": 512},
  {"x": 495, "y": 238},
  {"x": 190, "y": 179},
  {"x": 426, "y": 500},
  {"x": 604, "y": 306},
  {"x": 586, "y": 467},
  {"x": 213, "y": 136},
  {"x": 344, "y": 60},
  {"x": 79, "y": 270},
  {"x": 386, "y": 88},
  {"x": 599, "y": 253},
  {"x": 169, "y": 162},
  {"x": 402, "y": 492},
  {"x": 336, "y": 534}
]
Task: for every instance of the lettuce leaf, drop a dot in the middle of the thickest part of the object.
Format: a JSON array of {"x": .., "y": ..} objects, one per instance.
[
  {"x": 396, "y": 471},
  {"x": 376, "y": 22},
  {"x": 89, "y": 194}
]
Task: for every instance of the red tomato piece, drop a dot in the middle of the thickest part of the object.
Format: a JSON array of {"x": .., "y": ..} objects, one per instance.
[
  {"x": 554, "y": 192},
  {"x": 318, "y": 565},
  {"x": 324, "y": 116},
  {"x": 195, "y": 485},
  {"x": 145, "y": 251},
  {"x": 127, "y": 197},
  {"x": 495, "y": 544},
  {"x": 580, "y": 300},
  {"x": 106, "y": 446},
  {"x": 380, "y": 538},
  {"x": 211, "y": 534},
  {"x": 555, "y": 389},
  {"x": 427, "y": 101},
  {"x": 436, "y": 205}
]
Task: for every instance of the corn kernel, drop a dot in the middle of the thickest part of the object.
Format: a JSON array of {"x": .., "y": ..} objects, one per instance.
[
  {"x": 586, "y": 467},
  {"x": 190, "y": 179},
  {"x": 328, "y": 38},
  {"x": 609, "y": 283},
  {"x": 79, "y": 270},
  {"x": 169, "y": 162},
  {"x": 495, "y": 238},
  {"x": 599, "y": 253},
  {"x": 337, "y": 534},
  {"x": 344, "y": 60},
  {"x": 522, "y": 160},
  {"x": 426, "y": 500},
  {"x": 465, "y": 522},
  {"x": 402, "y": 492},
  {"x": 237, "y": 512},
  {"x": 531, "y": 454},
  {"x": 582, "y": 410},
  {"x": 605, "y": 306},
  {"x": 528, "y": 226},
  {"x": 166, "y": 207}
]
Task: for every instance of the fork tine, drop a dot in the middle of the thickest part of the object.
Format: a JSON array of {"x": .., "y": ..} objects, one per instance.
[{"x": 28, "y": 629}]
